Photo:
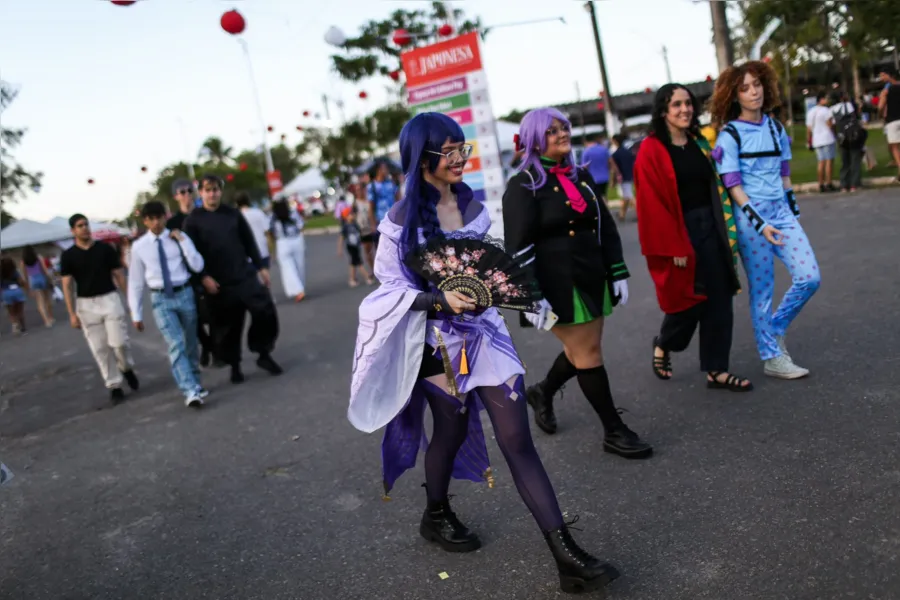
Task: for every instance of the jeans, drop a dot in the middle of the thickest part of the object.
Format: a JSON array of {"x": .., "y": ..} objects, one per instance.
[{"x": 176, "y": 318}]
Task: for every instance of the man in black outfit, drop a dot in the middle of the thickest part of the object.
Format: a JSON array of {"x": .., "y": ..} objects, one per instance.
[{"x": 231, "y": 279}]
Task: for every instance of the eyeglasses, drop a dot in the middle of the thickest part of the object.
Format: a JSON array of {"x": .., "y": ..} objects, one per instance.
[
  {"x": 184, "y": 191},
  {"x": 555, "y": 131},
  {"x": 461, "y": 153}
]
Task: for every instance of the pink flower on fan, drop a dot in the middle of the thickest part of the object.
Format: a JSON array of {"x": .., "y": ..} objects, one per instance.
[
  {"x": 453, "y": 262},
  {"x": 436, "y": 264},
  {"x": 504, "y": 289},
  {"x": 449, "y": 251},
  {"x": 499, "y": 277},
  {"x": 470, "y": 270}
]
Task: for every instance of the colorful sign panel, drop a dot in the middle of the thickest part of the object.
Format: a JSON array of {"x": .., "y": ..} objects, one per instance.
[{"x": 448, "y": 77}]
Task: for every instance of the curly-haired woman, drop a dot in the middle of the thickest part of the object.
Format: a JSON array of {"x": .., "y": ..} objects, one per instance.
[{"x": 753, "y": 154}]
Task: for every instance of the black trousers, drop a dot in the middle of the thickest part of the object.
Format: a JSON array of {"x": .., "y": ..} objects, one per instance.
[
  {"x": 715, "y": 315},
  {"x": 851, "y": 167},
  {"x": 228, "y": 310}
]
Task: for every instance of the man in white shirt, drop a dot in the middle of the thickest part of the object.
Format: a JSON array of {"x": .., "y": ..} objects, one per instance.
[
  {"x": 820, "y": 137},
  {"x": 259, "y": 225},
  {"x": 164, "y": 260}
]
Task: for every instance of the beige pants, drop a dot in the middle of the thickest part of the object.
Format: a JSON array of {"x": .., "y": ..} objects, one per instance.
[{"x": 105, "y": 327}]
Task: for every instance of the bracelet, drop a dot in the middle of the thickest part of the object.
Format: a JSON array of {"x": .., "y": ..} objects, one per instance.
[
  {"x": 792, "y": 202},
  {"x": 756, "y": 221}
]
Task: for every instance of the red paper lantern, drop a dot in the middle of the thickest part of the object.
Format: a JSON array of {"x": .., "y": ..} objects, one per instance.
[
  {"x": 709, "y": 78},
  {"x": 363, "y": 95},
  {"x": 305, "y": 113},
  {"x": 395, "y": 75},
  {"x": 90, "y": 182},
  {"x": 299, "y": 128},
  {"x": 401, "y": 37},
  {"x": 270, "y": 129},
  {"x": 602, "y": 94},
  {"x": 232, "y": 22},
  {"x": 767, "y": 59},
  {"x": 242, "y": 166},
  {"x": 283, "y": 137},
  {"x": 445, "y": 30},
  {"x": 143, "y": 169},
  {"x": 123, "y": 2},
  {"x": 229, "y": 177},
  {"x": 601, "y": 106},
  {"x": 648, "y": 90}
]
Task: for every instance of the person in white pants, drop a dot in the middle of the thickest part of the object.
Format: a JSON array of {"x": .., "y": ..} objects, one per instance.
[
  {"x": 95, "y": 306},
  {"x": 286, "y": 227}
]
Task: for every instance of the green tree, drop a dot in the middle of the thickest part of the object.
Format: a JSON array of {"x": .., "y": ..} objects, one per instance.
[
  {"x": 373, "y": 52},
  {"x": 214, "y": 151},
  {"x": 15, "y": 180}
]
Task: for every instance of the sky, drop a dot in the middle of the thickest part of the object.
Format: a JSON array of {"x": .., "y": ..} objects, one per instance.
[{"x": 105, "y": 90}]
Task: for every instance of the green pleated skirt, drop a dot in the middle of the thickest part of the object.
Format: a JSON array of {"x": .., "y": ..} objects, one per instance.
[{"x": 582, "y": 314}]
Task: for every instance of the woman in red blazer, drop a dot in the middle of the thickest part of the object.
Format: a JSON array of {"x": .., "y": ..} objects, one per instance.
[{"x": 687, "y": 232}]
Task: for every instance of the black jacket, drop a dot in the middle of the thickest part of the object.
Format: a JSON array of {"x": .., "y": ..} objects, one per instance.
[{"x": 568, "y": 253}]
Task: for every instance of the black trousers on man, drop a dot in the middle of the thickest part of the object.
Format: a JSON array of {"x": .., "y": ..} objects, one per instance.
[
  {"x": 714, "y": 315},
  {"x": 228, "y": 309}
]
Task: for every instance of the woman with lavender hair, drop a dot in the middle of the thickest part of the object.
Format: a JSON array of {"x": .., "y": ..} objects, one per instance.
[
  {"x": 409, "y": 351},
  {"x": 551, "y": 204}
]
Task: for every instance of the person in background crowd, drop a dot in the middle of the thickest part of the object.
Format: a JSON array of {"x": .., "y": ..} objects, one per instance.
[
  {"x": 234, "y": 279},
  {"x": 382, "y": 192},
  {"x": 820, "y": 137},
  {"x": 597, "y": 161},
  {"x": 12, "y": 293},
  {"x": 183, "y": 192},
  {"x": 687, "y": 234},
  {"x": 163, "y": 260},
  {"x": 624, "y": 160},
  {"x": 753, "y": 155},
  {"x": 125, "y": 253},
  {"x": 351, "y": 238},
  {"x": 365, "y": 219},
  {"x": 286, "y": 228},
  {"x": 40, "y": 283},
  {"x": 259, "y": 225},
  {"x": 847, "y": 124},
  {"x": 91, "y": 271},
  {"x": 889, "y": 109}
]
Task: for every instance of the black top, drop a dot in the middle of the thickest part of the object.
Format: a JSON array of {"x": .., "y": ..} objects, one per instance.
[
  {"x": 225, "y": 241},
  {"x": 568, "y": 253},
  {"x": 176, "y": 221},
  {"x": 351, "y": 234},
  {"x": 693, "y": 174},
  {"x": 91, "y": 269},
  {"x": 893, "y": 104}
]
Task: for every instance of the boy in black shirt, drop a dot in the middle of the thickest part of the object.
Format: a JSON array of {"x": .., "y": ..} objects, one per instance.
[
  {"x": 351, "y": 238},
  {"x": 98, "y": 310}
]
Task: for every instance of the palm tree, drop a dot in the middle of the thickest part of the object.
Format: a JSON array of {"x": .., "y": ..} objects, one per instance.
[{"x": 215, "y": 151}]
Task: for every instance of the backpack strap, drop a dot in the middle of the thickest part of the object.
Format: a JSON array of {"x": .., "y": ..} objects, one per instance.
[{"x": 775, "y": 152}]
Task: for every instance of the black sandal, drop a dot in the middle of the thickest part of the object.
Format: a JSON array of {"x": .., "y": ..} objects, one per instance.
[
  {"x": 661, "y": 364},
  {"x": 732, "y": 383}
]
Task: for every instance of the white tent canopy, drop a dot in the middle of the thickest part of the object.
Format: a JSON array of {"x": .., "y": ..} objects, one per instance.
[
  {"x": 31, "y": 233},
  {"x": 305, "y": 184}
]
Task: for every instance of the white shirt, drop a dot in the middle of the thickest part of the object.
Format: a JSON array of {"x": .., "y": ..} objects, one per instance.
[
  {"x": 259, "y": 225},
  {"x": 147, "y": 271},
  {"x": 818, "y": 119},
  {"x": 281, "y": 231}
]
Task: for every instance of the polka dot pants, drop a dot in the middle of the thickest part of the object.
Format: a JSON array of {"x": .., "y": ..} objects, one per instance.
[{"x": 758, "y": 257}]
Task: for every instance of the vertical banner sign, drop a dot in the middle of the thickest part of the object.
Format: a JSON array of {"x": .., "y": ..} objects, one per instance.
[
  {"x": 275, "y": 185},
  {"x": 448, "y": 77}
]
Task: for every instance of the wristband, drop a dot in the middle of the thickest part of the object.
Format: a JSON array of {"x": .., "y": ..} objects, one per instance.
[
  {"x": 792, "y": 202},
  {"x": 756, "y": 221}
]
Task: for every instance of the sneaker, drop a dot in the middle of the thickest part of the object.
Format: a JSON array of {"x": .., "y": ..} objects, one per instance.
[
  {"x": 116, "y": 396},
  {"x": 131, "y": 379},
  {"x": 266, "y": 363},
  {"x": 202, "y": 393},
  {"x": 783, "y": 367},
  {"x": 780, "y": 340},
  {"x": 194, "y": 400}
]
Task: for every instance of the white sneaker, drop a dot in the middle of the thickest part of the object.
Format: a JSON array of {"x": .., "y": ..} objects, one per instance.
[
  {"x": 783, "y": 367},
  {"x": 194, "y": 401},
  {"x": 202, "y": 393},
  {"x": 782, "y": 345}
]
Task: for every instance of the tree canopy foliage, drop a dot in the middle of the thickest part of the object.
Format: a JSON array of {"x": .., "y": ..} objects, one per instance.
[{"x": 15, "y": 180}]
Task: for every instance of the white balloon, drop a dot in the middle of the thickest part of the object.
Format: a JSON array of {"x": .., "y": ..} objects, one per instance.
[{"x": 335, "y": 37}]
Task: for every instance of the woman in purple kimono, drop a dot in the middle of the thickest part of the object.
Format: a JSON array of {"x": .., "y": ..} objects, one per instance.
[{"x": 411, "y": 342}]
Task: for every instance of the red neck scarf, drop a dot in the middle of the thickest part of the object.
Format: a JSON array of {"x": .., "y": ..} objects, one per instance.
[{"x": 562, "y": 173}]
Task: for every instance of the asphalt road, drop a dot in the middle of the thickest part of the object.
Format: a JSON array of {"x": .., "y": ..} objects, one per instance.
[{"x": 789, "y": 492}]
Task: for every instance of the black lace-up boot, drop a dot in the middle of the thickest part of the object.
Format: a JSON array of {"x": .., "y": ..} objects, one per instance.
[
  {"x": 578, "y": 570},
  {"x": 440, "y": 525},
  {"x": 542, "y": 403}
]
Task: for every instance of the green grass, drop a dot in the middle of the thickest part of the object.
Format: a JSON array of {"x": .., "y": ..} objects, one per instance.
[
  {"x": 803, "y": 165},
  {"x": 319, "y": 221}
]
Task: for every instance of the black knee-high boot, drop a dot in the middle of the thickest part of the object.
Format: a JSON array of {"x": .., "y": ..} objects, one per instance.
[
  {"x": 619, "y": 439},
  {"x": 540, "y": 395}
]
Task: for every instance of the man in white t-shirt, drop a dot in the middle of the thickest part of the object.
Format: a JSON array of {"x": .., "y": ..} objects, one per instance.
[
  {"x": 820, "y": 136},
  {"x": 259, "y": 225}
]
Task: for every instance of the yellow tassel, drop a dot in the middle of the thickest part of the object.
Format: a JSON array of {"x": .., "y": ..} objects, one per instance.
[
  {"x": 489, "y": 477},
  {"x": 463, "y": 361}
]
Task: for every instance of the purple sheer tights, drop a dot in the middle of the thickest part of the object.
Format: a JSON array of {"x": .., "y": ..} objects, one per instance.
[{"x": 506, "y": 408}]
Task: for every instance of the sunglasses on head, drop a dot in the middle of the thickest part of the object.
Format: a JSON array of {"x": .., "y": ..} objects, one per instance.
[{"x": 184, "y": 191}]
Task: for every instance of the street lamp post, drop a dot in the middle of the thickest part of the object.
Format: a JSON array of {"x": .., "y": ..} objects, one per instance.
[
  {"x": 270, "y": 166},
  {"x": 611, "y": 126}
]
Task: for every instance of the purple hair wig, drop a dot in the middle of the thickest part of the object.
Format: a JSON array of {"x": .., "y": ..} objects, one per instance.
[{"x": 533, "y": 137}]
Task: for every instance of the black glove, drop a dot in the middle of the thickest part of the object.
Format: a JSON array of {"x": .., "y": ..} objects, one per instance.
[
  {"x": 792, "y": 202},
  {"x": 756, "y": 221},
  {"x": 431, "y": 301}
]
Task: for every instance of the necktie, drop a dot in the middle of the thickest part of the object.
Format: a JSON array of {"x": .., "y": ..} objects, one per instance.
[
  {"x": 168, "y": 290},
  {"x": 569, "y": 188}
]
